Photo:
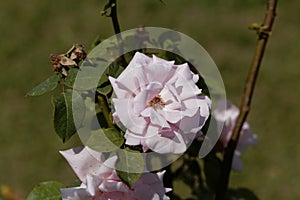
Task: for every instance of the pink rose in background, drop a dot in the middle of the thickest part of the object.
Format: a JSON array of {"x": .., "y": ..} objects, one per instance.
[
  {"x": 247, "y": 138},
  {"x": 102, "y": 183},
  {"x": 159, "y": 104}
]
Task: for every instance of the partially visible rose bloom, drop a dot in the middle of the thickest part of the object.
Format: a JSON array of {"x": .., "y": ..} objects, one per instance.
[
  {"x": 159, "y": 104},
  {"x": 246, "y": 139},
  {"x": 100, "y": 182}
]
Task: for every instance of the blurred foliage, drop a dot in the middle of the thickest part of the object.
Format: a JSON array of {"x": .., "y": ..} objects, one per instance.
[
  {"x": 46, "y": 190},
  {"x": 6, "y": 193},
  {"x": 31, "y": 31}
]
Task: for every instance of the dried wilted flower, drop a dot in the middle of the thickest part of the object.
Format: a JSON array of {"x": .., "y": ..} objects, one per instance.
[
  {"x": 62, "y": 62},
  {"x": 55, "y": 62},
  {"x": 78, "y": 54},
  {"x": 141, "y": 36},
  {"x": 65, "y": 61}
]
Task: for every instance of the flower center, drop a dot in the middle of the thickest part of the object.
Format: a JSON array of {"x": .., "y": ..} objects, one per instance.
[{"x": 156, "y": 102}]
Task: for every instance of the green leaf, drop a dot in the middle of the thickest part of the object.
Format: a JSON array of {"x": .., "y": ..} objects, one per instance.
[
  {"x": 46, "y": 86},
  {"x": 129, "y": 166},
  {"x": 105, "y": 89},
  {"x": 87, "y": 78},
  {"x": 113, "y": 70},
  {"x": 105, "y": 140},
  {"x": 104, "y": 86},
  {"x": 46, "y": 191},
  {"x": 182, "y": 189},
  {"x": 70, "y": 79},
  {"x": 74, "y": 183},
  {"x": 169, "y": 39},
  {"x": 63, "y": 113},
  {"x": 130, "y": 41}
]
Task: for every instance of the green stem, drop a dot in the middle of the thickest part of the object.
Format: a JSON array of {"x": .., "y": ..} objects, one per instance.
[
  {"x": 263, "y": 34},
  {"x": 114, "y": 17},
  {"x": 102, "y": 101},
  {"x": 105, "y": 110},
  {"x": 117, "y": 29}
]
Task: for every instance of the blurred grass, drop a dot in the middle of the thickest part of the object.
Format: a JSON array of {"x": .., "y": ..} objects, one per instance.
[{"x": 31, "y": 30}]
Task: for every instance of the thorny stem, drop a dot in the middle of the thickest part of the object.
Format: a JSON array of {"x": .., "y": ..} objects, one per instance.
[{"x": 263, "y": 35}]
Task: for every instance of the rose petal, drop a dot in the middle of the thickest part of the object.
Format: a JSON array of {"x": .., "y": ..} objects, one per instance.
[
  {"x": 75, "y": 193},
  {"x": 92, "y": 183},
  {"x": 150, "y": 186},
  {"x": 172, "y": 116},
  {"x": 228, "y": 118},
  {"x": 127, "y": 117},
  {"x": 247, "y": 138},
  {"x": 171, "y": 98},
  {"x": 152, "y": 131},
  {"x": 120, "y": 90},
  {"x": 169, "y": 93},
  {"x": 131, "y": 138},
  {"x": 113, "y": 186},
  {"x": 157, "y": 119},
  {"x": 158, "y": 72},
  {"x": 188, "y": 124},
  {"x": 85, "y": 161},
  {"x": 237, "y": 163},
  {"x": 184, "y": 72},
  {"x": 189, "y": 89},
  {"x": 165, "y": 145},
  {"x": 82, "y": 162},
  {"x": 201, "y": 102},
  {"x": 140, "y": 102},
  {"x": 162, "y": 61},
  {"x": 145, "y": 114},
  {"x": 138, "y": 59}
]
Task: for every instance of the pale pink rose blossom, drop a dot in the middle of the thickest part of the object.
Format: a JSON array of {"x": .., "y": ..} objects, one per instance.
[
  {"x": 100, "y": 182},
  {"x": 246, "y": 139},
  {"x": 159, "y": 104}
]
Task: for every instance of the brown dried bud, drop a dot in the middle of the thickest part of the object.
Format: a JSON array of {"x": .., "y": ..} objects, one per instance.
[
  {"x": 78, "y": 54},
  {"x": 55, "y": 62},
  {"x": 65, "y": 61},
  {"x": 62, "y": 62}
]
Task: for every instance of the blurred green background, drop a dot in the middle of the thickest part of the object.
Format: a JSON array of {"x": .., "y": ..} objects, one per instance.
[{"x": 30, "y": 30}]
